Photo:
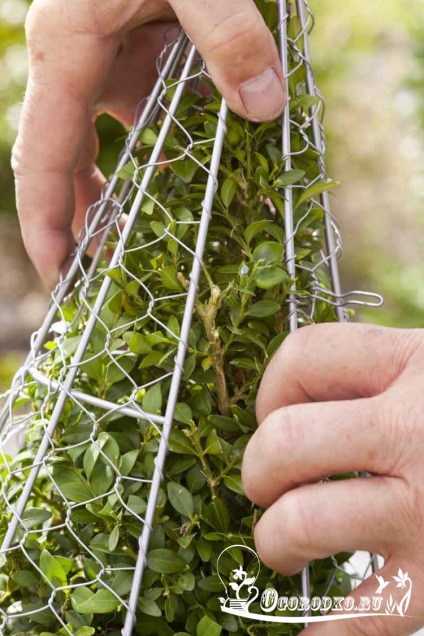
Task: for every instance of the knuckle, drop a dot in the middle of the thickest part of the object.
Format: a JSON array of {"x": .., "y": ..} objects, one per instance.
[
  {"x": 264, "y": 545},
  {"x": 296, "y": 344},
  {"x": 248, "y": 477},
  {"x": 409, "y": 511},
  {"x": 284, "y": 534},
  {"x": 394, "y": 421},
  {"x": 387, "y": 450},
  {"x": 298, "y": 525},
  {"x": 279, "y": 440},
  {"x": 17, "y": 160},
  {"x": 284, "y": 433}
]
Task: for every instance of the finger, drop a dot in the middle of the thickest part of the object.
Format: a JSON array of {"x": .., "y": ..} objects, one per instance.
[
  {"x": 240, "y": 54},
  {"x": 379, "y": 625},
  {"x": 316, "y": 521},
  {"x": 334, "y": 362},
  {"x": 307, "y": 442},
  {"x": 55, "y": 124}
]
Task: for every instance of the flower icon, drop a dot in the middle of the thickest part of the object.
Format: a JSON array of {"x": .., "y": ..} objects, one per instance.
[
  {"x": 401, "y": 578},
  {"x": 239, "y": 573}
]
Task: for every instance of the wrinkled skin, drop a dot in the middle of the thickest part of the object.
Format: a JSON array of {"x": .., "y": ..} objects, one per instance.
[
  {"x": 338, "y": 398},
  {"x": 86, "y": 58}
]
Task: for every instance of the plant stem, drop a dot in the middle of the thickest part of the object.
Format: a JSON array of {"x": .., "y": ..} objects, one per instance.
[
  {"x": 207, "y": 313},
  {"x": 194, "y": 436}
]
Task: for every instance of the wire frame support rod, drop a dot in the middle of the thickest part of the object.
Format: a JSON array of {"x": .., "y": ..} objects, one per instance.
[
  {"x": 211, "y": 187},
  {"x": 67, "y": 385},
  {"x": 317, "y": 139},
  {"x": 284, "y": 14}
]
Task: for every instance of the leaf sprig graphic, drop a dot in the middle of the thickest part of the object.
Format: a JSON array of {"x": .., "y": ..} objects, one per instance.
[{"x": 401, "y": 578}]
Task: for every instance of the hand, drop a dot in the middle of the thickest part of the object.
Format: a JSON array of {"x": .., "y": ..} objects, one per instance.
[
  {"x": 92, "y": 56},
  {"x": 338, "y": 398}
]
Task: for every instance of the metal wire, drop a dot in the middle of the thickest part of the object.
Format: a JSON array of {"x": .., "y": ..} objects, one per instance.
[{"x": 90, "y": 290}]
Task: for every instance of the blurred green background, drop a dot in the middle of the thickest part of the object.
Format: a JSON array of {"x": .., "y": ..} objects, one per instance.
[{"x": 369, "y": 62}]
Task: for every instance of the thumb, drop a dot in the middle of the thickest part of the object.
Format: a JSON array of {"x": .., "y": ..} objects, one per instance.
[{"x": 240, "y": 53}]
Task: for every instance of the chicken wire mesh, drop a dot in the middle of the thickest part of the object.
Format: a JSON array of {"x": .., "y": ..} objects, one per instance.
[{"x": 114, "y": 372}]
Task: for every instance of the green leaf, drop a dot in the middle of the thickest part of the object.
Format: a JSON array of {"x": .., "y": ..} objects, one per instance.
[
  {"x": 102, "y": 478},
  {"x": 52, "y": 569},
  {"x": 138, "y": 344},
  {"x": 228, "y": 191},
  {"x": 25, "y": 578},
  {"x": 165, "y": 561},
  {"x": 233, "y": 482},
  {"x": 137, "y": 504},
  {"x": 85, "y": 631},
  {"x": 152, "y": 401},
  {"x": 263, "y": 162},
  {"x": 128, "y": 460},
  {"x": 254, "y": 228},
  {"x": 148, "y": 137},
  {"x": 205, "y": 550},
  {"x": 149, "y": 606},
  {"x": 91, "y": 456},
  {"x": 202, "y": 402},
  {"x": 218, "y": 515},
  {"x": 244, "y": 363},
  {"x": 184, "y": 169},
  {"x": 213, "y": 445},
  {"x": 158, "y": 229},
  {"x": 208, "y": 627},
  {"x": 122, "y": 583},
  {"x": 179, "y": 443},
  {"x": 269, "y": 277},
  {"x": 318, "y": 188},
  {"x": 127, "y": 172},
  {"x": 113, "y": 539},
  {"x": 186, "y": 582},
  {"x": 289, "y": 178},
  {"x": 183, "y": 413},
  {"x": 263, "y": 308},
  {"x": 67, "y": 564},
  {"x": 35, "y": 516},
  {"x": 269, "y": 252},
  {"x": 210, "y": 583},
  {"x": 72, "y": 484},
  {"x": 109, "y": 447},
  {"x": 132, "y": 288},
  {"x": 224, "y": 423},
  {"x": 195, "y": 478},
  {"x": 169, "y": 278},
  {"x": 306, "y": 101},
  {"x": 151, "y": 360},
  {"x": 85, "y": 601},
  {"x": 180, "y": 499}
]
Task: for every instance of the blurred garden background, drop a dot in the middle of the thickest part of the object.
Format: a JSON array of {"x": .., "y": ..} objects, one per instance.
[{"x": 369, "y": 62}]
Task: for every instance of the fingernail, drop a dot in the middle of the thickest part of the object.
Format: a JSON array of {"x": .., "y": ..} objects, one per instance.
[{"x": 263, "y": 96}]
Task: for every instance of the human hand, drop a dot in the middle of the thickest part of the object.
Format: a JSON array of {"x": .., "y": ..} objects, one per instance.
[
  {"x": 338, "y": 398},
  {"x": 90, "y": 57}
]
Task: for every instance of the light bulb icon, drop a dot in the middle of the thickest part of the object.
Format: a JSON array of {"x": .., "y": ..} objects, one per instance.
[{"x": 239, "y": 585}]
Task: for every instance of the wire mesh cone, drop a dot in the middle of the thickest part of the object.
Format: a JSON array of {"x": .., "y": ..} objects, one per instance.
[{"x": 121, "y": 367}]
